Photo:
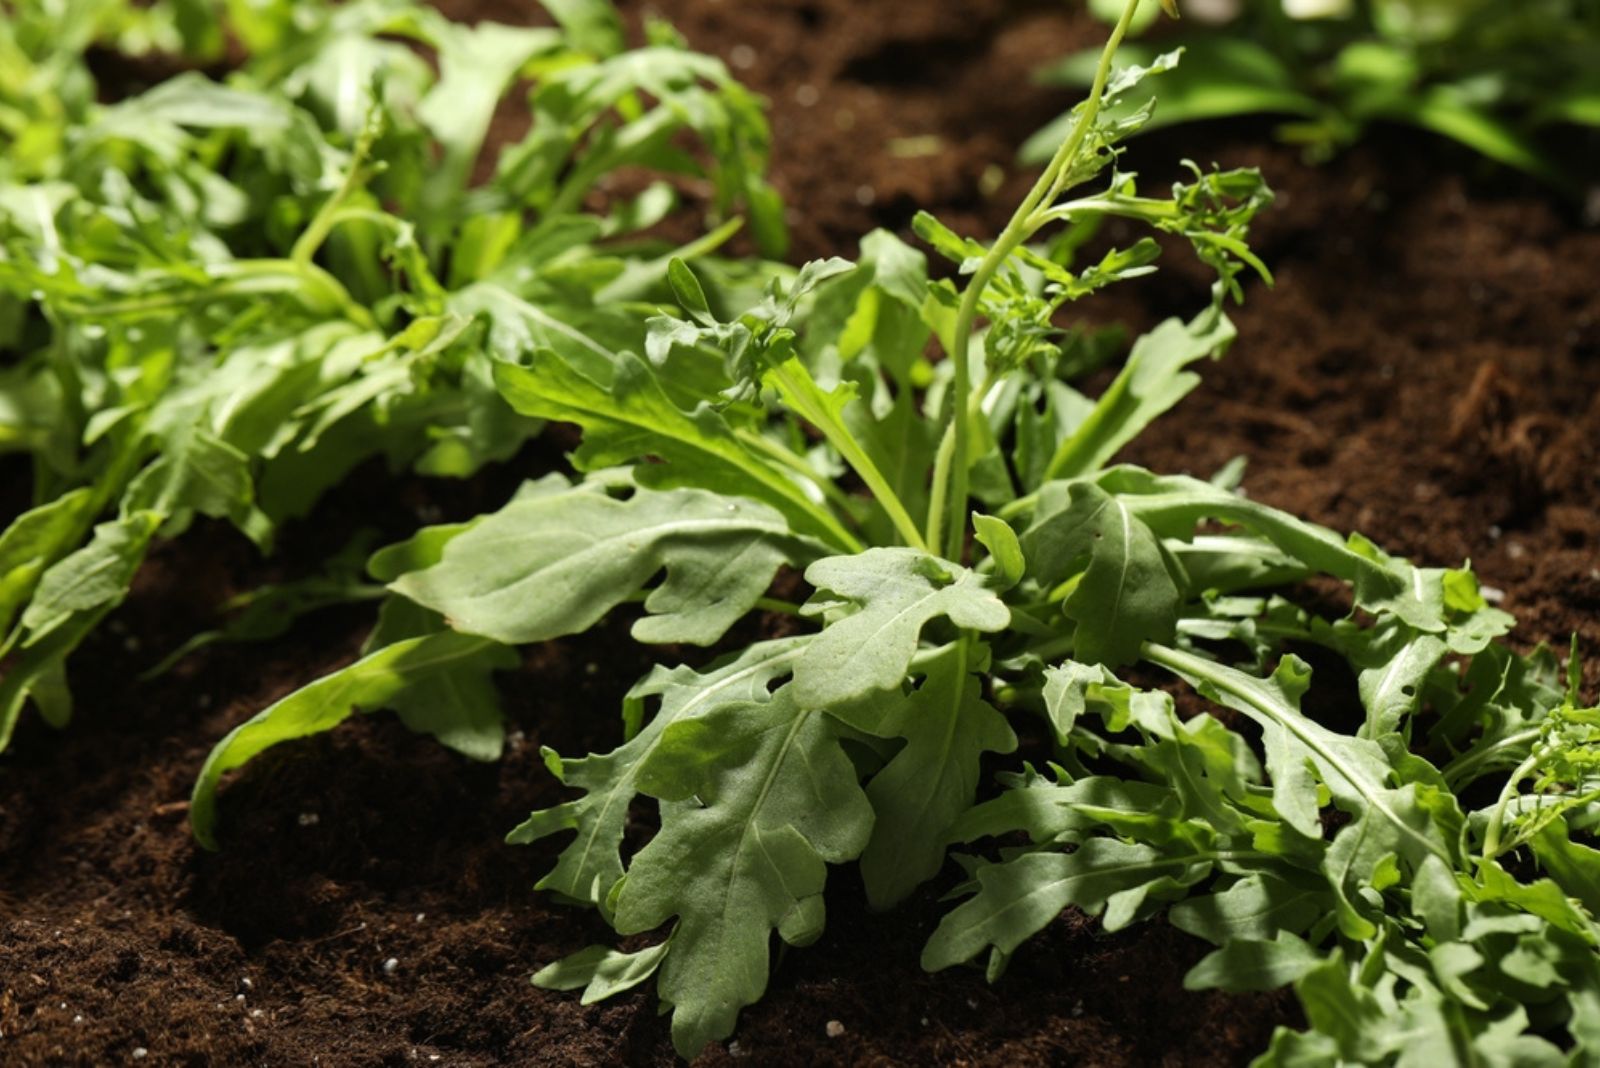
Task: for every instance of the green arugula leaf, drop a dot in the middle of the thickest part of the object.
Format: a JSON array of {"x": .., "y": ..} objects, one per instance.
[
  {"x": 1005, "y": 549},
  {"x": 1153, "y": 380},
  {"x": 72, "y": 596},
  {"x": 927, "y": 785},
  {"x": 757, "y": 799},
  {"x": 591, "y": 865},
  {"x": 376, "y": 681},
  {"x": 1124, "y": 591},
  {"x": 601, "y": 972},
  {"x": 555, "y": 564},
  {"x": 32, "y": 543},
  {"x": 1255, "y": 908},
  {"x": 631, "y": 417},
  {"x": 1301, "y": 752},
  {"x": 876, "y": 605},
  {"x": 1173, "y": 506},
  {"x": 1244, "y": 965},
  {"x": 1016, "y": 899}
]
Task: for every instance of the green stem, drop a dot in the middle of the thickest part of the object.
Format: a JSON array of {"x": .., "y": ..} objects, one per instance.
[
  {"x": 1019, "y": 507},
  {"x": 1457, "y": 772},
  {"x": 1497, "y": 818},
  {"x": 801, "y": 393},
  {"x": 1146, "y": 209},
  {"x": 1059, "y": 646},
  {"x": 315, "y": 284},
  {"x": 634, "y": 286},
  {"x": 796, "y": 463},
  {"x": 320, "y": 290},
  {"x": 327, "y": 216},
  {"x": 1024, "y": 223},
  {"x": 943, "y": 459}
]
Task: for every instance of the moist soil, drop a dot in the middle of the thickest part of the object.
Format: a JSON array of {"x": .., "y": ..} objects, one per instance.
[{"x": 1426, "y": 371}]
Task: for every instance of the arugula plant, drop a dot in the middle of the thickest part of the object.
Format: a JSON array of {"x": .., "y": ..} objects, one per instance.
[
  {"x": 811, "y": 431},
  {"x": 1517, "y": 83},
  {"x": 219, "y": 298}
]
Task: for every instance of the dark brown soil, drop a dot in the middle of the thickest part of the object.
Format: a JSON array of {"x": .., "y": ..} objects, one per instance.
[{"x": 1427, "y": 370}]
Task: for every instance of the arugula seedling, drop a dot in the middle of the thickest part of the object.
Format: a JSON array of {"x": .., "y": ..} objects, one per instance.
[{"x": 975, "y": 562}]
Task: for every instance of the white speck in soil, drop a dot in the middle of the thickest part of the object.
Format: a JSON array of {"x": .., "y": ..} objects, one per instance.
[
  {"x": 1077, "y": 1009},
  {"x": 140, "y": 1053},
  {"x": 256, "y": 1013},
  {"x": 78, "y": 1020},
  {"x": 1515, "y": 550},
  {"x": 309, "y": 819},
  {"x": 421, "y": 916},
  {"x": 1493, "y": 594},
  {"x": 834, "y": 1028},
  {"x": 391, "y": 966},
  {"x": 239, "y": 998},
  {"x": 736, "y": 1050},
  {"x": 246, "y": 983}
]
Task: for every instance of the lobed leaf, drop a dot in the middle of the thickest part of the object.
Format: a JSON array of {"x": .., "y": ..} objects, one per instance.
[
  {"x": 757, "y": 799},
  {"x": 876, "y": 604},
  {"x": 555, "y": 564},
  {"x": 378, "y": 680},
  {"x": 1124, "y": 592},
  {"x": 632, "y": 417},
  {"x": 925, "y": 787},
  {"x": 590, "y": 866}
]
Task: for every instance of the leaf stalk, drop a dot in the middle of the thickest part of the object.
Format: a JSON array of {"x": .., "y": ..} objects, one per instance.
[{"x": 952, "y": 465}]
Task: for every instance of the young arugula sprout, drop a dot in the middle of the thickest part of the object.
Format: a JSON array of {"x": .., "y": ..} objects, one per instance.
[
  {"x": 811, "y": 431},
  {"x": 214, "y": 299}
]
